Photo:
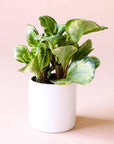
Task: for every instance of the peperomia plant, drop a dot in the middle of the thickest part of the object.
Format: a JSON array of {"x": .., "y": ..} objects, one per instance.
[{"x": 56, "y": 56}]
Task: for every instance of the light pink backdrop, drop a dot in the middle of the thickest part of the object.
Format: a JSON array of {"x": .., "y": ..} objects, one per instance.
[{"x": 95, "y": 102}]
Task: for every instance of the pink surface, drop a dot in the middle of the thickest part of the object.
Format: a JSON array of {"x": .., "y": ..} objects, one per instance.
[{"x": 95, "y": 102}]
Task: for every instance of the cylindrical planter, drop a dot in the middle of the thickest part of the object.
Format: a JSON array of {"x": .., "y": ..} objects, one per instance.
[{"x": 52, "y": 107}]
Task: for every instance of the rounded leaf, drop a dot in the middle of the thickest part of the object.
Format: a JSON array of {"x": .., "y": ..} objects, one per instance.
[
  {"x": 64, "y": 54},
  {"x": 38, "y": 63},
  {"x": 22, "y": 54},
  {"x": 31, "y": 36},
  {"x": 84, "y": 50},
  {"x": 80, "y": 71},
  {"x": 61, "y": 29},
  {"x": 75, "y": 28},
  {"x": 49, "y": 24},
  {"x": 96, "y": 61}
]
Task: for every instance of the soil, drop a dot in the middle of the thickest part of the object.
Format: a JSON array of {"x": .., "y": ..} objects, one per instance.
[{"x": 47, "y": 81}]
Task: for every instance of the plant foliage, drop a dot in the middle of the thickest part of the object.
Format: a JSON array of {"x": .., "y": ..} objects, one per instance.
[{"x": 55, "y": 56}]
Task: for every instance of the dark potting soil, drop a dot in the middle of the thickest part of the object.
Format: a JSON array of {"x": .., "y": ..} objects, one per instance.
[{"x": 47, "y": 81}]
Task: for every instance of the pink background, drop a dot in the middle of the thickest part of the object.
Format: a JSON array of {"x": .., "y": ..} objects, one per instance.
[{"x": 95, "y": 102}]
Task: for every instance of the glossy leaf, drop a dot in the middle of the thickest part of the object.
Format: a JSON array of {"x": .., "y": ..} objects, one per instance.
[
  {"x": 49, "y": 24},
  {"x": 38, "y": 37},
  {"x": 33, "y": 52},
  {"x": 39, "y": 62},
  {"x": 61, "y": 29},
  {"x": 44, "y": 57},
  {"x": 58, "y": 40},
  {"x": 75, "y": 28},
  {"x": 96, "y": 61},
  {"x": 32, "y": 67},
  {"x": 64, "y": 54},
  {"x": 56, "y": 53},
  {"x": 31, "y": 36},
  {"x": 80, "y": 71},
  {"x": 54, "y": 41},
  {"x": 83, "y": 50},
  {"x": 22, "y": 54}
]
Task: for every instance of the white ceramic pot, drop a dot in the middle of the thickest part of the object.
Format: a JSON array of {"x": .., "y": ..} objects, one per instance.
[{"x": 51, "y": 107}]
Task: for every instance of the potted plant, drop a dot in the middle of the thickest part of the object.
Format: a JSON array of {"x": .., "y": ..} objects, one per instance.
[{"x": 57, "y": 61}]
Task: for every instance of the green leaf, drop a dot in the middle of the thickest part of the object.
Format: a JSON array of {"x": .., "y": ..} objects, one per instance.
[
  {"x": 44, "y": 57},
  {"x": 32, "y": 67},
  {"x": 83, "y": 50},
  {"x": 61, "y": 29},
  {"x": 58, "y": 40},
  {"x": 49, "y": 24},
  {"x": 33, "y": 52},
  {"x": 96, "y": 61},
  {"x": 39, "y": 62},
  {"x": 54, "y": 41},
  {"x": 38, "y": 37},
  {"x": 22, "y": 54},
  {"x": 80, "y": 71},
  {"x": 75, "y": 28},
  {"x": 31, "y": 36},
  {"x": 64, "y": 54}
]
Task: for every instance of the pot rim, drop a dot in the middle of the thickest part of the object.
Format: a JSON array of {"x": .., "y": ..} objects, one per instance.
[{"x": 46, "y": 84}]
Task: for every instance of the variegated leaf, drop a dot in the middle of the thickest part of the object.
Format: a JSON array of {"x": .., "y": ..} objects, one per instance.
[
  {"x": 64, "y": 54},
  {"x": 22, "y": 54},
  {"x": 75, "y": 28},
  {"x": 80, "y": 71},
  {"x": 31, "y": 35},
  {"x": 49, "y": 24},
  {"x": 96, "y": 61}
]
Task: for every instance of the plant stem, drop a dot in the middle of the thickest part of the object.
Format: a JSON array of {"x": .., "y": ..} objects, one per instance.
[
  {"x": 58, "y": 71},
  {"x": 44, "y": 76},
  {"x": 65, "y": 72},
  {"x": 53, "y": 61},
  {"x": 40, "y": 74},
  {"x": 58, "y": 68}
]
